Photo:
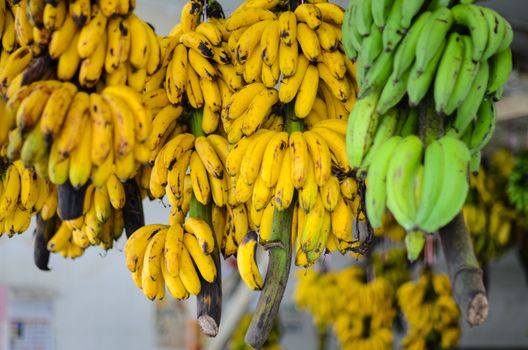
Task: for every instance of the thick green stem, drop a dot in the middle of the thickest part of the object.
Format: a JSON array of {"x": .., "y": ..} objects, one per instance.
[
  {"x": 292, "y": 123},
  {"x": 209, "y": 300},
  {"x": 275, "y": 282},
  {"x": 430, "y": 123}
]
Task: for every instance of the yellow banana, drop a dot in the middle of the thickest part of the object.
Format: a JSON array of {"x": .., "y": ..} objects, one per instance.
[
  {"x": 80, "y": 159},
  {"x": 288, "y": 27},
  {"x": 284, "y": 189},
  {"x": 204, "y": 263},
  {"x": 203, "y": 233},
  {"x": 200, "y": 181},
  {"x": 247, "y": 264}
]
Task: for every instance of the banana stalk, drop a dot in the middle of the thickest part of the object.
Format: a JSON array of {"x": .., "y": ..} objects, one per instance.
[
  {"x": 133, "y": 215},
  {"x": 464, "y": 271},
  {"x": 209, "y": 300},
  {"x": 430, "y": 123},
  {"x": 280, "y": 255},
  {"x": 43, "y": 232},
  {"x": 71, "y": 201}
]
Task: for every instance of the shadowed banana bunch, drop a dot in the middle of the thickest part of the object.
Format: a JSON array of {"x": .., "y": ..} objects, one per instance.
[
  {"x": 431, "y": 312},
  {"x": 172, "y": 256},
  {"x": 22, "y": 194},
  {"x": 68, "y": 134},
  {"x": 303, "y": 46}
]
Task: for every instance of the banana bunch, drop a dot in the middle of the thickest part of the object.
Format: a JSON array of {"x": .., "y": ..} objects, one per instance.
[
  {"x": 361, "y": 314},
  {"x": 159, "y": 255},
  {"x": 199, "y": 70},
  {"x": 22, "y": 194},
  {"x": 236, "y": 342},
  {"x": 390, "y": 228},
  {"x": 431, "y": 312},
  {"x": 517, "y": 193},
  {"x": 68, "y": 134},
  {"x": 303, "y": 46},
  {"x": 391, "y": 264},
  {"x": 423, "y": 188},
  {"x": 62, "y": 241}
]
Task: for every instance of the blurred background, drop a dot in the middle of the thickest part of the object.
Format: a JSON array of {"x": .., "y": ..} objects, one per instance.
[{"x": 92, "y": 302}]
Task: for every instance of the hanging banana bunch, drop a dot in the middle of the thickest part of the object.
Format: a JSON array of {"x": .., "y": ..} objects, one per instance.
[
  {"x": 448, "y": 64},
  {"x": 431, "y": 312}
]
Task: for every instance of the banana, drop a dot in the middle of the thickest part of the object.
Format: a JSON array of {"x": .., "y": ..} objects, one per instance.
[
  {"x": 299, "y": 158},
  {"x": 92, "y": 66},
  {"x": 247, "y": 264},
  {"x": 80, "y": 159},
  {"x": 508, "y": 35},
  {"x": 154, "y": 54},
  {"x": 393, "y": 92},
  {"x": 468, "y": 71},
  {"x": 401, "y": 173},
  {"x": 201, "y": 66},
  {"x": 204, "y": 263},
  {"x": 406, "y": 51},
  {"x": 330, "y": 193},
  {"x": 372, "y": 46},
  {"x": 363, "y": 16},
  {"x": 139, "y": 43},
  {"x": 259, "y": 108},
  {"x": 54, "y": 15},
  {"x": 200, "y": 181},
  {"x": 393, "y": 30},
  {"x": 101, "y": 129},
  {"x": 116, "y": 192},
  {"x": 91, "y": 33},
  {"x": 136, "y": 245},
  {"x": 496, "y": 32},
  {"x": 241, "y": 100},
  {"x": 188, "y": 274},
  {"x": 469, "y": 108},
  {"x": 380, "y": 12},
  {"x": 362, "y": 125},
  {"x": 288, "y": 27},
  {"x": 261, "y": 195},
  {"x": 23, "y": 27},
  {"x": 9, "y": 35},
  {"x": 173, "y": 249},
  {"x": 55, "y": 110},
  {"x": 308, "y": 41},
  {"x": 80, "y": 11},
  {"x": 79, "y": 110},
  {"x": 337, "y": 145},
  {"x": 30, "y": 110},
  {"x": 15, "y": 64},
  {"x": 289, "y": 86},
  {"x": 309, "y": 14},
  {"x": 58, "y": 166},
  {"x": 315, "y": 231},
  {"x": 266, "y": 222},
  {"x": 124, "y": 123},
  {"x": 284, "y": 188},
  {"x": 500, "y": 70},
  {"x": 328, "y": 37},
  {"x": 419, "y": 82},
  {"x": 60, "y": 239},
  {"x": 454, "y": 185},
  {"x": 29, "y": 190},
  {"x": 307, "y": 91},
  {"x": 377, "y": 76},
  {"x": 410, "y": 8},
  {"x": 249, "y": 41},
  {"x": 386, "y": 129},
  {"x": 247, "y": 16},
  {"x": 342, "y": 220},
  {"x": 448, "y": 71},
  {"x": 199, "y": 43},
  {"x": 308, "y": 193},
  {"x": 173, "y": 149},
  {"x": 203, "y": 233},
  {"x": 351, "y": 39},
  {"x": 331, "y": 13},
  {"x": 252, "y": 160},
  {"x": 193, "y": 89},
  {"x": 321, "y": 156},
  {"x": 118, "y": 47},
  {"x": 211, "y": 94},
  {"x": 474, "y": 19},
  {"x": 269, "y": 43},
  {"x": 484, "y": 126},
  {"x": 69, "y": 61},
  {"x": 227, "y": 73},
  {"x": 432, "y": 38},
  {"x": 208, "y": 156},
  {"x": 151, "y": 271},
  {"x": 272, "y": 158}
]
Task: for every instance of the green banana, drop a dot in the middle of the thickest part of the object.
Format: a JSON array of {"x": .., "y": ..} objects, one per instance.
[
  {"x": 434, "y": 163},
  {"x": 508, "y": 35},
  {"x": 362, "y": 125},
  {"x": 500, "y": 70},
  {"x": 371, "y": 47},
  {"x": 376, "y": 77},
  {"x": 432, "y": 37},
  {"x": 380, "y": 11},
  {"x": 347, "y": 33},
  {"x": 419, "y": 82},
  {"x": 406, "y": 51},
  {"x": 473, "y": 18},
  {"x": 386, "y": 129},
  {"x": 401, "y": 173},
  {"x": 376, "y": 195},
  {"x": 474, "y": 163},
  {"x": 468, "y": 110},
  {"x": 484, "y": 126},
  {"x": 448, "y": 71},
  {"x": 363, "y": 18},
  {"x": 467, "y": 73},
  {"x": 454, "y": 185},
  {"x": 496, "y": 32},
  {"x": 436, "y": 4},
  {"x": 393, "y": 30},
  {"x": 409, "y": 9},
  {"x": 393, "y": 92}
]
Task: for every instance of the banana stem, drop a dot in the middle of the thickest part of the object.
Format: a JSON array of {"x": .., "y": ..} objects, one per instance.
[
  {"x": 133, "y": 214},
  {"x": 209, "y": 300},
  {"x": 71, "y": 200},
  {"x": 464, "y": 271},
  {"x": 43, "y": 232},
  {"x": 431, "y": 124},
  {"x": 196, "y": 122},
  {"x": 275, "y": 282},
  {"x": 292, "y": 123}
]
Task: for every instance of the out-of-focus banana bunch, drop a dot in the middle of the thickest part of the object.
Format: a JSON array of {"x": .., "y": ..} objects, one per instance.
[
  {"x": 460, "y": 56},
  {"x": 237, "y": 339},
  {"x": 22, "y": 194},
  {"x": 431, "y": 312},
  {"x": 488, "y": 212},
  {"x": 171, "y": 256},
  {"x": 360, "y": 314},
  {"x": 392, "y": 265},
  {"x": 66, "y": 134},
  {"x": 517, "y": 183},
  {"x": 390, "y": 228},
  {"x": 303, "y": 46}
]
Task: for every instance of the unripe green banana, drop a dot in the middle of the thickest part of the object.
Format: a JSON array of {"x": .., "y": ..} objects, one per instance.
[
  {"x": 500, "y": 70},
  {"x": 376, "y": 195},
  {"x": 432, "y": 38},
  {"x": 448, "y": 71},
  {"x": 473, "y": 18},
  {"x": 363, "y": 16},
  {"x": 393, "y": 92},
  {"x": 484, "y": 126},
  {"x": 380, "y": 11},
  {"x": 406, "y": 51},
  {"x": 371, "y": 47},
  {"x": 393, "y": 30},
  {"x": 401, "y": 174},
  {"x": 467, "y": 73},
  {"x": 386, "y": 129},
  {"x": 410, "y": 124},
  {"x": 409, "y": 9},
  {"x": 496, "y": 32},
  {"x": 419, "y": 83},
  {"x": 377, "y": 75}
]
